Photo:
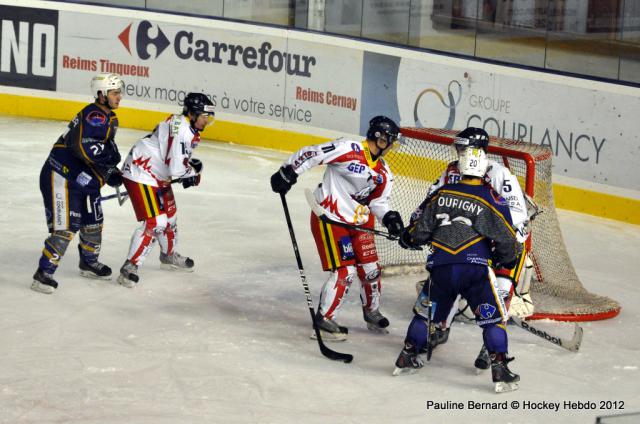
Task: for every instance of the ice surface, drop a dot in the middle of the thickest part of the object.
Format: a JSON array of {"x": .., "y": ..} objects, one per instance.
[{"x": 229, "y": 343}]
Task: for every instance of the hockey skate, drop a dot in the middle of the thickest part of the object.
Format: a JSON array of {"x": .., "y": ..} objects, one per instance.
[
  {"x": 408, "y": 361},
  {"x": 43, "y": 282},
  {"x": 483, "y": 362},
  {"x": 330, "y": 330},
  {"x": 96, "y": 270},
  {"x": 504, "y": 379},
  {"x": 128, "y": 275},
  {"x": 176, "y": 262},
  {"x": 376, "y": 322}
]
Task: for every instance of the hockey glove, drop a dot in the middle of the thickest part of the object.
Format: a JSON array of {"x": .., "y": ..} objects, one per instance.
[
  {"x": 282, "y": 180},
  {"x": 114, "y": 177},
  {"x": 393, "y": 221},
  {"x": 196, "y": 164},
  {"x": 506, "y": 265},
  {"x": 408, "y": 241},
  {"x": 190, "y": 181}
]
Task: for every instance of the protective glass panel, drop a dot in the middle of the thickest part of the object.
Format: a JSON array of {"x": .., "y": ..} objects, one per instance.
[
  {"x": 386, "y": 20},
  {"x": 512, "y": 31},
  {"x": 582, "y": 37},
  {"x": 444, "y": 25}
]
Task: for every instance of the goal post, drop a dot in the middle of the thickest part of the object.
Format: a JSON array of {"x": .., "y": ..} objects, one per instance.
[{"x": 556, "y": 290}]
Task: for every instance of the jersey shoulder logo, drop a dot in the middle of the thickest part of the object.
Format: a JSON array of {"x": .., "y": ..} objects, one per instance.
[
  {"x": 96, "y": 118},
  {"x": 356, "y": 147},
  {"x": 496, "y": 197}
]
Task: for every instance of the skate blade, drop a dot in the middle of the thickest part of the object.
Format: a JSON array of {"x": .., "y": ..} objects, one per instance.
[
  {"x": 502, "y": 387},
  {"x": 170, "y": 267},
  {"x": 91, "y": 275},
  {"x": 329, "y": 337},
  {"x": 404, "y": 371},
  {"x": 42, "y": 288},
  {"x": 126, "y": 282},
  {"x": 375, "y": 329}
]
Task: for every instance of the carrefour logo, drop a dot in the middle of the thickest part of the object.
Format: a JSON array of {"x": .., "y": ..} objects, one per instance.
[
  {"x": 188, "y": 45},
  {"x": 144, "y": 40}
]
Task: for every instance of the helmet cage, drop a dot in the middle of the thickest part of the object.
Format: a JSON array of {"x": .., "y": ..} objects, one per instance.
[{"x": 473, "y": 162}]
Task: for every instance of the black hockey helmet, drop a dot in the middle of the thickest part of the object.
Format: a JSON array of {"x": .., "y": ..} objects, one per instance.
[
  {"x": 197, "y": 103},
  {"x": 381, "y": 126},
  {"x": 472, "y": 137}
]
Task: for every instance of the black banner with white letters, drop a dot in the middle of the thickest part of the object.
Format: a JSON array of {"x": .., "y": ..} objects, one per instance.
[{"x": 28, "y": 47}]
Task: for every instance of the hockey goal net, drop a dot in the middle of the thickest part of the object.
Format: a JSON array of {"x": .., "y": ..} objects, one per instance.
[{"x": 556, "y": 290}]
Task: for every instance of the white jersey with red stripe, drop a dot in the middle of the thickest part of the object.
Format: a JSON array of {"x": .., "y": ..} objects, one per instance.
[
  {"x": 504, "y": 183},
  {"x": 354, "y": 185},
  {"x": 164, "y": 154}
]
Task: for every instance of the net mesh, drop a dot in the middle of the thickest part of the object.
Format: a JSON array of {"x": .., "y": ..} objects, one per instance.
[{"x": 556, "y": 289}]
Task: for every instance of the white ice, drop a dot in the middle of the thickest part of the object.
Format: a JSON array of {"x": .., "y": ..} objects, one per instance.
[{"x": 230, "y": 343}]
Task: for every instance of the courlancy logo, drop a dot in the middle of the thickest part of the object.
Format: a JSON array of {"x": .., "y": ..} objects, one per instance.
[
  {"x": 188, "y": 45},
  {"x": 450, "y": 103}
]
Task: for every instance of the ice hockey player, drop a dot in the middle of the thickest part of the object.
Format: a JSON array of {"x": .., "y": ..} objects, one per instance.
[
  {"x": 469, "y": 227},
  {"x": 513, "y": 285},
  {"x": 153, "y": 162},
  {"x": 355, "y": 188},
  {"x": 82, "y": 160}
]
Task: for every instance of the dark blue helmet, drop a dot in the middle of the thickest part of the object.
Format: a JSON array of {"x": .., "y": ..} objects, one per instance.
[
  {"x": 472, "y": 137},
  {"x": 381, "y": 126}
]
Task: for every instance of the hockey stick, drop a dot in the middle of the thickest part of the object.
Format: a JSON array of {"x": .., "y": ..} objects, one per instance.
[
  {"x": 331, "y": 354},
  {"x": 321, "y": 213},
  {"x": 122, "y": 197},
  {"x": 572, "y": 344},
  {"x": 429, "y": 313}
]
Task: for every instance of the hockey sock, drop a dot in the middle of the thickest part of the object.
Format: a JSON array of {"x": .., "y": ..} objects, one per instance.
[
  {"x": 417, "y": 332},
  {"x": 54, "y": 248},
  {"x": 334, "y": 290},
  {"x": 495, "y": 338},
  {"x": 371, "y": 286},
  {"x": 90, "y": 243}
]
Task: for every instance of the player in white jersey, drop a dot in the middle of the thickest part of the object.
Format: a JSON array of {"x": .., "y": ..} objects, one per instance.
[
  {"x": 510, "y": 282},
  {"x": 355, "y": 188},
  {"x": 153, "y": 163}
]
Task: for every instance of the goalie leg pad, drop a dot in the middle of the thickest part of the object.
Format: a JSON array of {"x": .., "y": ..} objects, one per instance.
[
  {"x": 55, "y": 247},
  {"x": 334, "y": 290},
  {"x": 521, "y": 304}
]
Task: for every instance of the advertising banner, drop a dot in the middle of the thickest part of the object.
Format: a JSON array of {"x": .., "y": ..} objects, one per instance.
[
  {"x": 592, "y": 133},
  {"x": 250, "y": 75},
  {"x": 28, "y": 47}
]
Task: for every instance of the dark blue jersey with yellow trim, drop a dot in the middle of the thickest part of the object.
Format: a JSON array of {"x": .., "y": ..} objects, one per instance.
[
  {"x": 467, "y": 222},
  {"x": 86, "y": 152}
]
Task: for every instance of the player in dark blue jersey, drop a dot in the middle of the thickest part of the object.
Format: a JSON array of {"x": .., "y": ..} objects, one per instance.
[
  {"x": 469, "y": 228},
  {"x": 82, "y": 160}
]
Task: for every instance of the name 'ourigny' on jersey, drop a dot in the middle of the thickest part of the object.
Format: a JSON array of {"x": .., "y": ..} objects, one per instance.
[{"x": 354, "y": 185}]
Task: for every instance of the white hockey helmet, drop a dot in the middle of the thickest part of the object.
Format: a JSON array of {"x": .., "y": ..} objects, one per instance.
[
  {"x": 473, "y": 162},
  {"x": 105, "y": 81},
  {"x": 471, "y": 145}
]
